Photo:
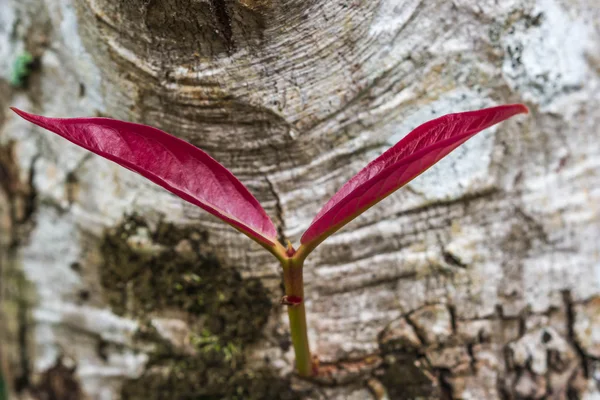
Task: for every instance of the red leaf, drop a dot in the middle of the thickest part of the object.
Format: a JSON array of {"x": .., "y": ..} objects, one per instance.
[
  {"x": 170, "y": 162},
  {"x": 410, "y": 157}
]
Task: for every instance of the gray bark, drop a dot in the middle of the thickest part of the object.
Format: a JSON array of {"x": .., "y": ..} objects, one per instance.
[{"x": 479, "y": 280}]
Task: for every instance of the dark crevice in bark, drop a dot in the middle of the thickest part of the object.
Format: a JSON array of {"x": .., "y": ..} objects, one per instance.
[
  {"x": 452, "y": 312},
  {"x": 502, "y": 382},
  {"x": 572, "y": 394},
  {"x": 22, "y": 377},
  {"x": 569, "y": 309},
  {"x": 21, "y": 198},
  {"x": 451, "y": 259},
  {"x": 279, "y": 211},
  {"x": 29, "y": 205},
  {"x": 223, "y": 16},
  {"x": 9, "y": 174},
  {"x": 500, "y": 316},
  {"x": 499, "y": 311},
  {"x": 23, "y": 381},
  {"x": 472, "y": 358},
  {"x": 503, "y": 392},
  {"x": 416, "y": 329},
  {"x": 448, "y": 256},
  {"x": 523, "y": 322},
  {"x": 446, "y": 390}
]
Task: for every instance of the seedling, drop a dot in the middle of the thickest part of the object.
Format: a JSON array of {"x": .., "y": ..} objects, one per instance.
[{"x": 194, "y": 176}]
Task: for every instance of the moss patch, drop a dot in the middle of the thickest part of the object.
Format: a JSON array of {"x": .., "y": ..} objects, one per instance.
[
  {"x": 168, "y": 270},
  {"x": 59, "y": 382},
  {"x": 208, "y": 377},
  {"x": 406, "y": 374},
  {"x": 3, "y": 390},
  {"x": 22, "y": 67},
  {"x": 406, "y": 381}
]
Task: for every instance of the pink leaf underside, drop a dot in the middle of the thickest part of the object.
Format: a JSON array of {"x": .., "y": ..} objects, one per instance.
[
  {"x": 411, "y": 156},
  {"x": 170, "y": 162}
]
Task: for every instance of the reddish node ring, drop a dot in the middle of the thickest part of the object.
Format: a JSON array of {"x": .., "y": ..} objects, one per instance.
[{"x": 291, "y": 300}]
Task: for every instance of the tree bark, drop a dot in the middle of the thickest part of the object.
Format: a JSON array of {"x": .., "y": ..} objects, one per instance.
[{"x": 479, "y": 280}]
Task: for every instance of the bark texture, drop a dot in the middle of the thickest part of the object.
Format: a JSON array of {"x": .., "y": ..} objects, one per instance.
[{"x": 480, "y": 280}]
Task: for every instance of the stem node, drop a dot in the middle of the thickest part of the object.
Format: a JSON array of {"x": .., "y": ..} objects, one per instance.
[
  {"x": 294, "y": 294},
  {"x": 291, "y": 301}
]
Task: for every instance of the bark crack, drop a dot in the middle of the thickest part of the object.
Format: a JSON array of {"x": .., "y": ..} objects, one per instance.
[
  {"x": 571, "y": 338},
  {"x": 224, "y": 19},
  {"x": 280, "y": 223},
  {"x": 535, "y": 225},
  {"x": 446, "y": 389},
  {"x": 21, "y": 198},
  {"x": 22, "y": 381},
  {"x": 452, "y": 312},
  {"x": 417, "y": 329}
]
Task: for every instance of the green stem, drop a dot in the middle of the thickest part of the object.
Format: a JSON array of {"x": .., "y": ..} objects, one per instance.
[{"x": 294, "y": 290}]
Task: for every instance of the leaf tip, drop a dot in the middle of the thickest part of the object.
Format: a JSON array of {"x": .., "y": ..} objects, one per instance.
[
  {"x": 22, "y": 113},
  {"x": 522, "y": 108}
]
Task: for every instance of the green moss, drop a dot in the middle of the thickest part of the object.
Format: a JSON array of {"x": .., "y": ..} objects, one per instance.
[
  {"x": 21, "y": 69},
  {"x": 3, "y": 390},
  {"x": 405, "y": 372},
  {"x": 404, "y": 377},
  {"x": 167, "y": 269},
  {"x": 206, "y": 378},
  {"x": 143, "y": 277}
]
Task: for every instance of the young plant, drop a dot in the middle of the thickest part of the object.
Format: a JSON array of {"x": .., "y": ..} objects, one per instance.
[{"x": 197, "y": 178}]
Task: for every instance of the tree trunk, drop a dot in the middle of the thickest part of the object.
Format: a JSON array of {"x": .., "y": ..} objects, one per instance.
[{"x": 479, "y": 280}]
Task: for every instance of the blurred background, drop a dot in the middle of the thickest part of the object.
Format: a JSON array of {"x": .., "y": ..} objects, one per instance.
[{"x": 479, "y": 280}]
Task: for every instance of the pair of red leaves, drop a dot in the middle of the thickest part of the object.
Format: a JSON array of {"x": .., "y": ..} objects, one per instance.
[{"x": 194, "y": 176}]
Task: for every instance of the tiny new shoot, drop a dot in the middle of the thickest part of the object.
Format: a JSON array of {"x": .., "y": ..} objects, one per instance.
[{"x": 193, "y": 175}]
